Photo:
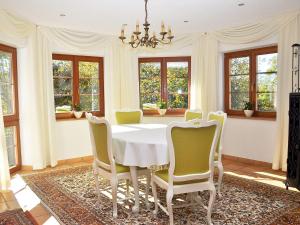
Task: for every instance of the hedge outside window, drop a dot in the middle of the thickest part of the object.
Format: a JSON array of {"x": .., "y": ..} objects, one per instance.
[
  {"x": 165, "y": 79},
  {"x": 78, "y": 80},
  {"x": 251, "y": 76}
]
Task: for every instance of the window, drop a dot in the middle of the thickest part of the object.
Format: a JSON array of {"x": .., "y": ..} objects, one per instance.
[
  {"x": 251, "y": 76},
  {"x": 9, "y": 99},
  {"x": 78, "y": 80},
  {"x": 167, "y": 80}
]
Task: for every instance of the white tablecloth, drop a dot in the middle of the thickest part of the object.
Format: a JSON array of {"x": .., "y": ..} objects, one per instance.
[{"x": 141, "y": 145}]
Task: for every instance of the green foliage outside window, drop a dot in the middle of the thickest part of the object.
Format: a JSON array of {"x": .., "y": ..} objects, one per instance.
[
  {"x": 177, "y": 85},
  {"x": 266, "y": 82}
]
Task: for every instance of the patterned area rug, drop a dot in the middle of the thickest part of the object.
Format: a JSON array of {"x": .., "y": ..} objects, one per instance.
[
  {"x": 16, "y": 217},
  {"x": 71, "y": 196}
]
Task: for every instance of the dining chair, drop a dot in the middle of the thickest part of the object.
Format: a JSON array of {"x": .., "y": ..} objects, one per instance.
[
  {"x": 104, "y": 163},
  {"x": 221, "y": 117},
  {"x": 192, "y": 114},
  {"x": 191, "y": 151},
  {"x": 129, "y": 116}
]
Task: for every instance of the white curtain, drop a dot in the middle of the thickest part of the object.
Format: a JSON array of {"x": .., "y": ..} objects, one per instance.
[
  {"x": 204, "y": 74},
  {"x": 288, "y": 35},
  {"x": 4, "y": 167}
]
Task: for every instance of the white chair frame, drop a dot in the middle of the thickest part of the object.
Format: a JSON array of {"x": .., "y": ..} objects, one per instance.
[
  {"x": 101, "y": 168},
  {"x": 131, "y": 110},
  {"x": 219, "y": 163},
  {"x": 186, "y": 188},
  {"x": 193, "y": 111}
]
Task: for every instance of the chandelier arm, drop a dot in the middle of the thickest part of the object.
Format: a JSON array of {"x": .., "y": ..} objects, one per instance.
[{"x": 164, "y": 41}]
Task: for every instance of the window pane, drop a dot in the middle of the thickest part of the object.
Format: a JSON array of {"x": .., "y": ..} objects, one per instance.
[
  {"x": 267, "y": 63},
  {"x": 63, "y": 103},
  {"x": 63, "y": 85},
  {"x": 150, "y": 84},
  {"x": 89, "y": 86},
  {"x": 5, "y": 67},
  {"x": 239, "y": 83},
  {"x": 6, "y": 83},
  {"x": 10, "y": 134},
  {"x": 88, "y": 69},
  {"x": 266, "y": 82},
  {"x": 62, "y": 68},
  {"x": 178, "y": 69},
  {"x": 239, "y": 65},
  {"x": 237, "y": 100},
  {"x": 7, "y": 98},
  {"x": 178, "y": 101},
  {"x": 177, "y": 84},
  {"x": 266, "y": 102},
  {"x": 89, "y": 102}
]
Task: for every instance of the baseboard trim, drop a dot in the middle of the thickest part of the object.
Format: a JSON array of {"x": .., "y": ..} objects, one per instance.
[
  {"x": 247, "y": 161},
  {"x": 26, "y": 168},
  {"x": 88, "y": 159}
]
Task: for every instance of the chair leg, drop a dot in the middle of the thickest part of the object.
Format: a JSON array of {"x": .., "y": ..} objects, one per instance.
[
  {"x": 147, "y": 190},
  {"x": 127, "y": 188},
  {"x": 169, "y": 205},
  {"x": 135, "y": 184},
  {"x": 114, "y": 187},
  {"x": 97, "y": 183},
  {"x": 154, "y": 192},
  {"x": 210, "y": 204},
  {"x": 220, "y": 177}
]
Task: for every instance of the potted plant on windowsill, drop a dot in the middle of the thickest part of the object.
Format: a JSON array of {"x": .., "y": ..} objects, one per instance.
[
  {"x": 77, "y": 110},
  {"x": 248, "y": 109},
  {"x": 162, "y": 108}
]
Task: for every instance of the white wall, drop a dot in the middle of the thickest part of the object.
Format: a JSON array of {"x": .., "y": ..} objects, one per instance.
[
  {"x": 72, "y": 139},
  {"x": 250, "y": 139}
]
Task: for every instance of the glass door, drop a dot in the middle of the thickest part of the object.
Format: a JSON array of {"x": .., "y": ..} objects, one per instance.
[{"x": 9, "y": 99}]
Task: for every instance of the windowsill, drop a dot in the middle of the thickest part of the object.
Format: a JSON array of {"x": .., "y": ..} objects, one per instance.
[{"x": 252, "y": 117}]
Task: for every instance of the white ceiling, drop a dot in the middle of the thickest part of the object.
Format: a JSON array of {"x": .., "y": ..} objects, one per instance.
[{"x": 107, "y": 16}]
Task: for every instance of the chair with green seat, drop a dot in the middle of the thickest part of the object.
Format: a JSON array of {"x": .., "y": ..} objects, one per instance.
[
  {"x": 193, "y": 114},
  {"x": 129, "y": 116},
  {"x": 104, "y": 163},
  {"x": 221, "y": 117},
  {"x": 191, "y": 151}
]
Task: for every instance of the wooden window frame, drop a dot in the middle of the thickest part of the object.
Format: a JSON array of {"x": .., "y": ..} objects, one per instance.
[
  {"x": 164, "y": 90},
  {"x": 75, "y": 59},
  {"x": 13, "y": 120},
  {"x": 252, "y": 54}
]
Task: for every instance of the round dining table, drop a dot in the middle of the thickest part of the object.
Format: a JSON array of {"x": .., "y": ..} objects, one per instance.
[{"x": 139, "y": 145}]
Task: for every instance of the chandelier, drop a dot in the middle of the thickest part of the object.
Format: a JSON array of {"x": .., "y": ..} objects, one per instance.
[{"x": 147, "y": 41}]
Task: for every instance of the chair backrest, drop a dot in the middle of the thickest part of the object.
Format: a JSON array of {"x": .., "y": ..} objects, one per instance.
[
  {"x": 129, "y": 116},
  {"x": 221, "y": 117},
  {"x": 100, "y": 134},
  {"x": 193, "y": 114},
  {"x": 191, "y": 148}
]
